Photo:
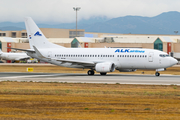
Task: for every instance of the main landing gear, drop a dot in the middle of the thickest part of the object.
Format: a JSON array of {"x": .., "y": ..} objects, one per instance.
[
  {"x": 103, "y": 73},
  {"x": 90, "y": 72},
  {"x": 157, "y": 74}
]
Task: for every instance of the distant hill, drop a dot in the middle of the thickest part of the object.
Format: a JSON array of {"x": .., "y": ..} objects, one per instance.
[
  {"x": 165, "y": 23},
  {"x": 11, "y": 28}
]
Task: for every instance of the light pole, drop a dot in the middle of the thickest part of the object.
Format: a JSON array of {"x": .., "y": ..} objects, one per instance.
[{"x": 76, "y": 9}]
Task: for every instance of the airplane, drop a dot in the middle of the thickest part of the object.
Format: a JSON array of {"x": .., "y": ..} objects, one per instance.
[
  {"x": 13, "y": 56},
  {"x": 102, "y": 60}
]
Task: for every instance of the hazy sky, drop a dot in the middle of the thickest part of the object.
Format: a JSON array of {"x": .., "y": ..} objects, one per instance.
[{"x": 61, "y": 11}]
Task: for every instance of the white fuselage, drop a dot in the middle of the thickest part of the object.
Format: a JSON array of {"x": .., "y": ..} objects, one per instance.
[
  {"x": 123, "y": 58},
  {"x": 101, "y": 60},
  {"x": 13, "y": 56}
]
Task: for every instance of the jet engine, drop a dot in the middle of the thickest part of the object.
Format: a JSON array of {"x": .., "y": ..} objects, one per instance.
[{"x": 105, "y": 67}]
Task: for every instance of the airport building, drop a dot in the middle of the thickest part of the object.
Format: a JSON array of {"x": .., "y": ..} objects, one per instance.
[
  {"x": 67, "y": 38},
  {"x": 48, "y": 32}
]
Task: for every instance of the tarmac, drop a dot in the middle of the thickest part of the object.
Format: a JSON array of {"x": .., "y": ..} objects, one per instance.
[{"x": 84, "y": 78}]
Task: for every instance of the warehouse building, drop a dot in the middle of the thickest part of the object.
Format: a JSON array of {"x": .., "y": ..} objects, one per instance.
[
  {"x": 48, "y": 32},
  {"x": 170, "y": 45}
]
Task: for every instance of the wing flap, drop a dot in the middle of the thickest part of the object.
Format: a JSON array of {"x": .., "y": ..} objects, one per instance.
[{"x": 74, "y": 62}]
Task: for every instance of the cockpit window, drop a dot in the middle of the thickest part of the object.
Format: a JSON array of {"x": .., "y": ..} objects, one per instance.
[{"x": 164, "y": 55}]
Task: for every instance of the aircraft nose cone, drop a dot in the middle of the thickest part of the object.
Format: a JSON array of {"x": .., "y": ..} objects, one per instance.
[{"x": 173, "y": 61}]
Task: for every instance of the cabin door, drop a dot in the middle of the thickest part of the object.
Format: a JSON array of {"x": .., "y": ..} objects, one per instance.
[
  {"x": 150, "y": 57},
  {"x": 49, "y": 55}
]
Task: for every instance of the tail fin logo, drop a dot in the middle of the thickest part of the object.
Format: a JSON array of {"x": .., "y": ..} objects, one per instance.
[{"x": 37, "y": 34}]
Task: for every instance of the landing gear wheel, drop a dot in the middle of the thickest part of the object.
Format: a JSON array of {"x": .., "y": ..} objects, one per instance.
[
  {"x": 90, "y": 72},
  {"x": 103, "y": 73},
  {"x": 157, "y": 74}
]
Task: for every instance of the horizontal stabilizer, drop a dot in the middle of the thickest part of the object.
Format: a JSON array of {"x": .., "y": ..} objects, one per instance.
[
  {"x": 27, "y": 50},
  {"x": 38, "y": 53}
]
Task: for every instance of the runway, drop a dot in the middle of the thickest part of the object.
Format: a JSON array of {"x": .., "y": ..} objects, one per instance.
[{"x": 84, "y": 78}]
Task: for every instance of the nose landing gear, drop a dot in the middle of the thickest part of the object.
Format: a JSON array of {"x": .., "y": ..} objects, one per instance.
[
  {"x": 157, "y": 74},
  {"x": 157, "y": 71},
  {"x": 103, "y": 73}
]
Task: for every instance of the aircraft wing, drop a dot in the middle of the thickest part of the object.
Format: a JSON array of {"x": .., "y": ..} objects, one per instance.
[{"x": 75, "y": 62}]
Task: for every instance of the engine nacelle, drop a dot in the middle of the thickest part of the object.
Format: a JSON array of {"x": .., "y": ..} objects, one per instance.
[
  {"x": 105, "y": 67},
  {"x": 127, "y": 70}
]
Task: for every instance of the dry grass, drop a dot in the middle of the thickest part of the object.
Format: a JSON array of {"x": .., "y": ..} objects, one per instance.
[
  {"x": 50, "y": 101},
  {"x": 58, "y": 69}
]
